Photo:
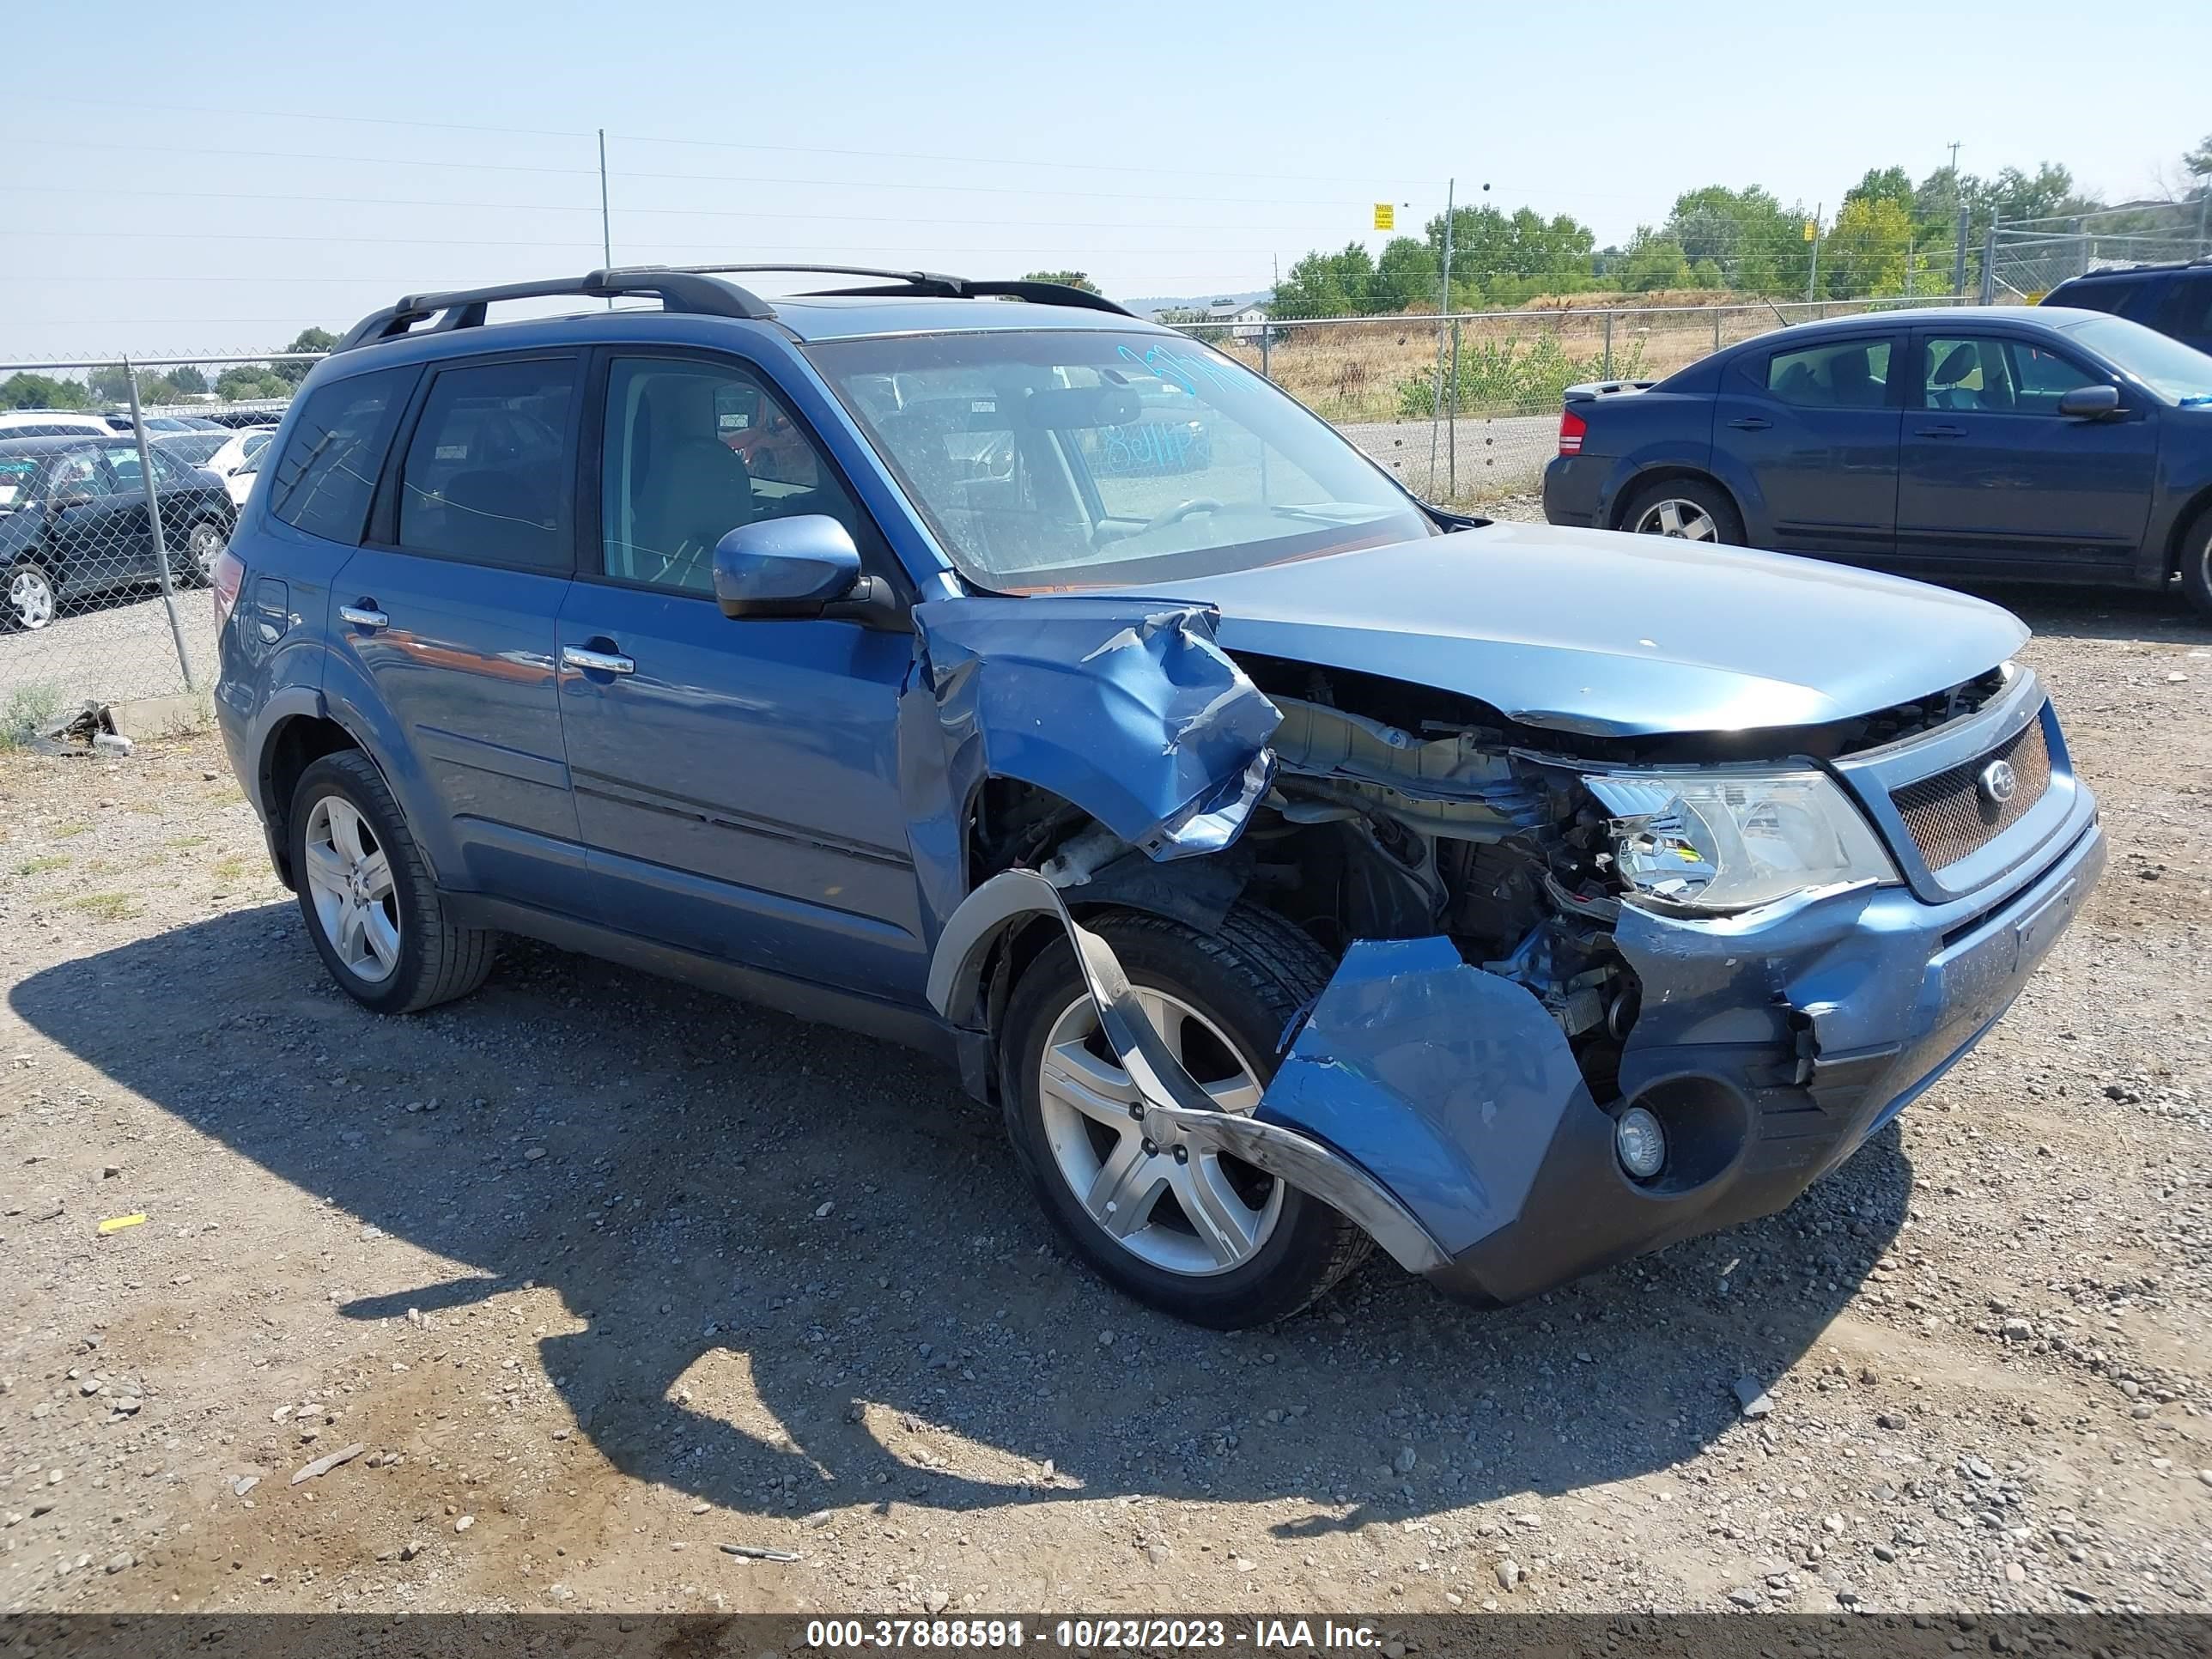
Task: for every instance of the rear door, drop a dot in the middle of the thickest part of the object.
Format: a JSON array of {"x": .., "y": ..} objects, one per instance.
[
  {"x": 449, "y": 610},
  {"x": 1993, "y": 477},
  {"x": 1816, "y": 426}
]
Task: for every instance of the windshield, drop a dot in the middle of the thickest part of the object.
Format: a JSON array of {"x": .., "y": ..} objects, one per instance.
[
  {"x": 17, "y": 473},
  {"x": 2177, "y": 372},
  {"x": 1058, "y": 459},
  {"x": 195, "y": 448}
]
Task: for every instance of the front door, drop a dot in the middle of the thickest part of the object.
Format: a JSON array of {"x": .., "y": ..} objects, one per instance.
[
  {"x": 450, "y": 606},
  {"x": 736, "y": 781},
  {"x": 1993, "y": 476},
  {"x": 1816, "y": 428}
]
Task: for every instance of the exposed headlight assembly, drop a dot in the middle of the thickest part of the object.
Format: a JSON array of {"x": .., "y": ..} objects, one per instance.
[{"x": 1729, "y": 840}]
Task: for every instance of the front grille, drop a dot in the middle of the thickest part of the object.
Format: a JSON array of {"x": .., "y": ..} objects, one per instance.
[{"x": 1950, "y": 817}]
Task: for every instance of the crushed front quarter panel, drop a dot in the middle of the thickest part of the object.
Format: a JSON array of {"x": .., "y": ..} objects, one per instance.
[{"x": 1123, "y": 707}]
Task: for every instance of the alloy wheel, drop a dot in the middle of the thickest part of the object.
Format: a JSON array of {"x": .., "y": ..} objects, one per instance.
[
  {"x": 203, "y": 547},
  {"x": 350, "y": 878},
  {"x": 30, "y": 597},
  {"x": 1683, "y": 521},
  {"x": 1185, "y": 1212}
]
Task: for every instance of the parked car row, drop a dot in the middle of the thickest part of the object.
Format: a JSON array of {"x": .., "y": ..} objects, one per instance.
[
  {"x": 77, "y": 423},
  {"x": 74, "y": 524}
]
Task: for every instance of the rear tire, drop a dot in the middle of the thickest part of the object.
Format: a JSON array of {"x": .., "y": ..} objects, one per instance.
[
  {"x": 1237, "y": 989},
  {"x": 367, "y": 897},
  {"x": 203, "y": 544},
  {"x": 2196, "y": 564},
  {"x": 1684, "y": 509}
]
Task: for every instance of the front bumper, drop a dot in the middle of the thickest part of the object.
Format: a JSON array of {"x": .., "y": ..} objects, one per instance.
[{"x": 1870, "y": 998}]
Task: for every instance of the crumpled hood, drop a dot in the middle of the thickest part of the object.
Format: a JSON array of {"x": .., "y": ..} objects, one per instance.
[{"x": 1597, "y": 633}]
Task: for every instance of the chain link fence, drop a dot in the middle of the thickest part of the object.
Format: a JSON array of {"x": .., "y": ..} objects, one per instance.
[
  {"x": 1465, "y": 408},
  {"x": 2027, "y": 257},
  {"x": 119, "y": 483}
]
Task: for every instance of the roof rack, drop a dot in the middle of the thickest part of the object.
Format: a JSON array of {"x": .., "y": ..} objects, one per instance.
[
  {"x": 927, "y": 284},
  {"x": 678, "y": 291},
  {"x": 699, "y": 291}
]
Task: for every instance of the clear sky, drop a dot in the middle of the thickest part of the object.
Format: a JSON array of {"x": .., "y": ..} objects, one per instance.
[{"x": 180, "y": 179}]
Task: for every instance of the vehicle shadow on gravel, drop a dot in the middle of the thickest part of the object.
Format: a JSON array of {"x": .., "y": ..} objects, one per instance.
[{"x": 808, "y": 1276}]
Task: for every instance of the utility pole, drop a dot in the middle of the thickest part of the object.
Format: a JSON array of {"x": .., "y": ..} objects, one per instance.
[
  {"x": 1813, "y": 276},
  {"x": 1444, "y": 309},
  {"x": 606, "y": 224}
]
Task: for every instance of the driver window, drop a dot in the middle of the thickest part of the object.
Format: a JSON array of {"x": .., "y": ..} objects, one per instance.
[
  {"x": 80, "y": 475},
  {"x": 694, "y": 451}
]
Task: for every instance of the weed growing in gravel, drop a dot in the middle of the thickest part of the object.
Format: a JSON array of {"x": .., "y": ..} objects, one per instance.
[
  {"x": 28, "y": 712},
  {"x": 106, "y": 907},
  {"x": 39, "y": 866},
  {"x": 68, "y": 829},
  {"x": 179, "y": 844},
  {"x": 230, "y": 869}
]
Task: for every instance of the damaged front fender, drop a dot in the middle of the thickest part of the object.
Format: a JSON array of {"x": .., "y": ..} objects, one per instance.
[{"x": 1124, "y": 707}]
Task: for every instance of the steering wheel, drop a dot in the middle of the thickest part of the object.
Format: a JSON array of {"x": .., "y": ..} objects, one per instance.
[{"x": 1179, "y": 512}]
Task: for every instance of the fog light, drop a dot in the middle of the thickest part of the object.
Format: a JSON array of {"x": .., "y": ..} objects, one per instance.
[{"x": 1639, "y": 1142}]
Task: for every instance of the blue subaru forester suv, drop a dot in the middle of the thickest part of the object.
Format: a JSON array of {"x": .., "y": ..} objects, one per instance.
[{"x": 1301, "y": 868}]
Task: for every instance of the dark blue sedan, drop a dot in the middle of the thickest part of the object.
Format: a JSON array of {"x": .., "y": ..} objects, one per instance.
[{"x": 2043, "y": 444}]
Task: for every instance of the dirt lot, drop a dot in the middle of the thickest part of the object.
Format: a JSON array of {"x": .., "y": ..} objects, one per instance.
[{"x": 603, "y": 1274}]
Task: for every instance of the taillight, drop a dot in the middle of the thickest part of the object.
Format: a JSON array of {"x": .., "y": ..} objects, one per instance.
[
  {"x": 1571, "y": 428},
  {"x": 229, "y": 575}
]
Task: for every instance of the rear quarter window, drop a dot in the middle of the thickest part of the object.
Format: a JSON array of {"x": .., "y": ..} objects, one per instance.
[{"x": 322, "y": 482}]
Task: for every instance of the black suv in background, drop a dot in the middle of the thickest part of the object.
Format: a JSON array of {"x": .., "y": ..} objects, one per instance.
[{"x": 2173, "y": 299}]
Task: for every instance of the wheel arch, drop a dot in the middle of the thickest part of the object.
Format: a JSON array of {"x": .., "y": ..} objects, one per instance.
[
  {"x": 292, "y": 743},
  {"x": 1667, "y": 472},
  {"x": 2194, "y": 519}
]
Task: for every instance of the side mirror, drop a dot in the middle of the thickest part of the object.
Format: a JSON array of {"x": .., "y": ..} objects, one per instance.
[
  {"x": 795, "y": 567},
  {"x": 2090, "y": 403}
]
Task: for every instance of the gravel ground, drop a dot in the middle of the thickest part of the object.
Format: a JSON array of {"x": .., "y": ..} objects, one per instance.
[{"x": 598, "y": 1273}]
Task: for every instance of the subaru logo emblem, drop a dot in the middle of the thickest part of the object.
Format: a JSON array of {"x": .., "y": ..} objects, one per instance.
[{"x": 1998, "y": 782}]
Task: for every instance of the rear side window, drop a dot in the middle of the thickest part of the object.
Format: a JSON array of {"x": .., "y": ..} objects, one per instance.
[
  {"x": 1850, "y": 374},
  {"x": 2188, "y": 309},
  {"x": 486, "y": 476},
  {"x": 323, "y": 481},
  {"x": 2096, "y": 296}
]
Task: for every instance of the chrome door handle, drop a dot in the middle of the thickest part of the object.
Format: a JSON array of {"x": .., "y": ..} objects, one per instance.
[
  {"x": 603, "y": 662},
  {"x": 365, "y": 616},
  {"x": 1751, "y": 423},
  {"x": 1940, "y": 432}
]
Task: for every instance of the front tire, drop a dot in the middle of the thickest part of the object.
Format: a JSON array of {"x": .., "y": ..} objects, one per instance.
[
  {"x": 1211, "y": 1239},
  {"x": 28, "y": 599},
  {"x": 368, "y": 897},
  {"x": 1684, "y": 509},
  {"x": 2196, "y": 564}
]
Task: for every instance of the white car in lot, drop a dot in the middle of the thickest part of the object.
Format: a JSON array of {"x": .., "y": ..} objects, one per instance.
[
  {"x": 222, "y": 452},
  {"x": 239, "y": 481}
]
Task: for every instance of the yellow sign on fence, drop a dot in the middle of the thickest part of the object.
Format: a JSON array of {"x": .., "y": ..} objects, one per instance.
[
  {"x": 1386, "y": 217},
  {"x": 1812, "y": 229}
]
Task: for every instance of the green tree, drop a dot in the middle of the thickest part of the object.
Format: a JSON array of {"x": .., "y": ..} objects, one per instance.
[
  {"x": 27, "y": 391},
  {"x": 260, "y": 381},
  {"x": 1757, "y": 244},
  {"x": 308, "y": 339},
  {"x": 1652, "y": 260},
  {"x": 1867, "y": 252},
  {"x": 109, "y": 383},
  {"x": 1405, "y": 276},
  {"x": 1070, "y": 279},
  {"x": 1504, "y": 259},
  {"x": 187, "y": 379},
  {"x": 1327, "y": 285},
  {"x": 1883, "y": 185}
]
